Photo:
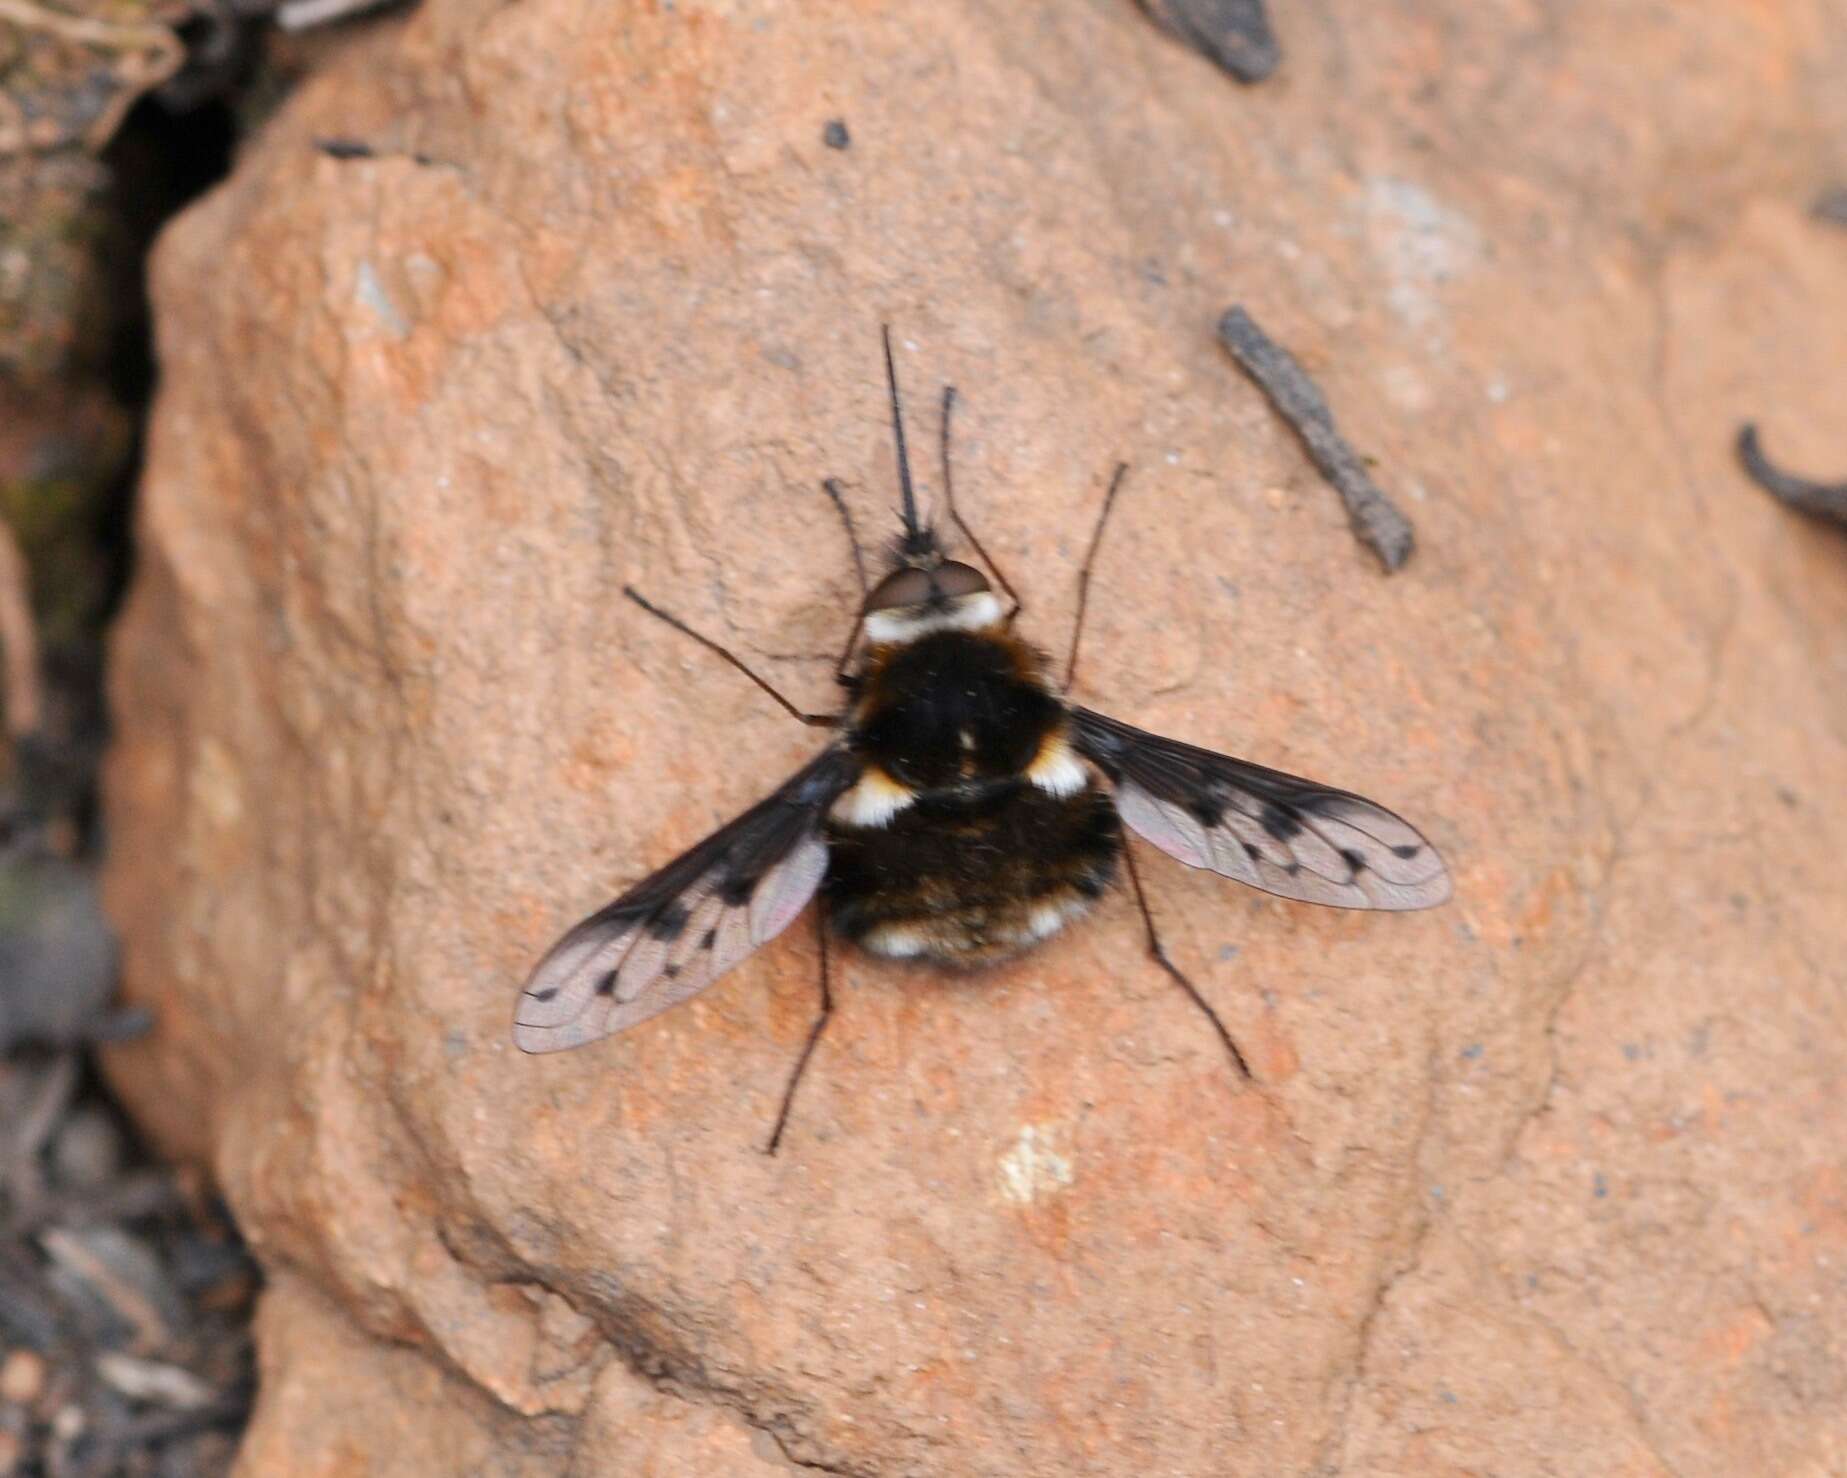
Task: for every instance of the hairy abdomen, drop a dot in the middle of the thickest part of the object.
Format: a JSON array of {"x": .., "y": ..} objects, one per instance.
[{"x": 967, "y": 881}]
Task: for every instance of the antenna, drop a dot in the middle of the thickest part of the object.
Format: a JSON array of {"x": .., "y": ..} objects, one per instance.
[
  {"x": 949, "y": 497},
  {"x": 911, "y": 531}
]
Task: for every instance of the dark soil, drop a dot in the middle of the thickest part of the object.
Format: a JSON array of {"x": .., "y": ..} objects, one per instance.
[{"x": 125, "y": 1293}]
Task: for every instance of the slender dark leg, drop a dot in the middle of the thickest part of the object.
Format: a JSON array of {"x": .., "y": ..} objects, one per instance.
[
  {"x": 831, "y": 486},
  {"x": 814, "y": 1035},
  {"x": 1083, "y": 575},
  {"x": 1160, "y": 955},
  {"x": 815, "y": 720},
  {"x": 949, "y": 501}
]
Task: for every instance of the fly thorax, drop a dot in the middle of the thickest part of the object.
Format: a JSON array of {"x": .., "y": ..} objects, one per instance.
[
  {"x": 977, "y": 612},
  {"x": 955, "y": 712}
]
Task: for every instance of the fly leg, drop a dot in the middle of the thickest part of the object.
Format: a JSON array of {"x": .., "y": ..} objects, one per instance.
[
  {"x": 814, "y": 1035},
  {"x": 831, "y": 486},
  {"x": 1083, "y": 584},
  {"x": 814, "y": 720},
  {"x": 1160, "y": 956}
]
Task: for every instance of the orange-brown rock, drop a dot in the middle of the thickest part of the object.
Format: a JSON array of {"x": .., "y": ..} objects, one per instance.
[{"x": 1547, "y": 1181}]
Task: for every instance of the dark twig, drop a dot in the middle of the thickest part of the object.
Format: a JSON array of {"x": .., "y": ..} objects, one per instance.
[
  {"x": 336, "y": 147},
  {"x": 1234, "y": 33},
  {"x": 1824, "y": 499},
  {"x": 1375, "y": 518}
]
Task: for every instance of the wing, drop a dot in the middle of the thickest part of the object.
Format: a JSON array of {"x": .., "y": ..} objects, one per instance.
[
  {"x": 1285, "y": 835},
  {"x": 673, "y": 934}
]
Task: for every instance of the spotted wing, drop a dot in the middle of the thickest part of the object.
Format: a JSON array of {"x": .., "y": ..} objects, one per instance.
[
  {"x": 1282, "y": 834},
  {"x": 673, "y": 934}
]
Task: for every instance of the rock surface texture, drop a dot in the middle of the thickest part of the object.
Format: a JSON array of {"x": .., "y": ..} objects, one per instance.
[{"x": 1549, "y": 1180}]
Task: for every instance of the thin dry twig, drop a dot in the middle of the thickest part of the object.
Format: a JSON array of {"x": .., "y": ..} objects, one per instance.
[
  {"x": 1375, "y": 518},
  {"x": 19, "y": 674},
  {"x": 136, "y": 1310}
]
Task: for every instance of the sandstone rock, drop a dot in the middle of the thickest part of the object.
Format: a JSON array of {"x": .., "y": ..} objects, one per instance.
[{"x": 1548, "y": 1181}]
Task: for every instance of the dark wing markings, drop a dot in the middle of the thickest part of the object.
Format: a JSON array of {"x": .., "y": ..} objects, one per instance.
[
  {"x": 678, "y": 930},
  {"x": 1274, "y": 831}
]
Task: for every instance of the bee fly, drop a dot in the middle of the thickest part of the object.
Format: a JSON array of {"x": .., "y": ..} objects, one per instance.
[{"x": 964, "y": 812}]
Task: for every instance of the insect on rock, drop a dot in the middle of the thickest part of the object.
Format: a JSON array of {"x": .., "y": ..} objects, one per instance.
[{"x": 963, "y": 811}]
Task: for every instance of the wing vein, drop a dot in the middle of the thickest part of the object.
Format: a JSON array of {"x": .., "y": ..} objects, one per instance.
[
  {"x": 677, "y": 930},
  {"x": 1272, "y": 830}
]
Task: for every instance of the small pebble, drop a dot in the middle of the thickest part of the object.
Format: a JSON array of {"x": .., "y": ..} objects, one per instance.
[
  {"x": 57, "y": 955},
  {"x": 87, "y": 1153},
  {"x": 22, "y": 1378},
  {"x": 835, "y": 134}
]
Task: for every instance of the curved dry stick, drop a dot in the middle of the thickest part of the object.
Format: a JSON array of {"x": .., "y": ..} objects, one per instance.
[
  {"x": 1825, "y": 500},
  {"x": 1375, "y": 518}
]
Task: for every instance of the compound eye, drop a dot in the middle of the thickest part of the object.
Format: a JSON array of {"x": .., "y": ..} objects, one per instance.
[
  {"x": 955, "y": 580},
  {"x": 902, "y": 588}
]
